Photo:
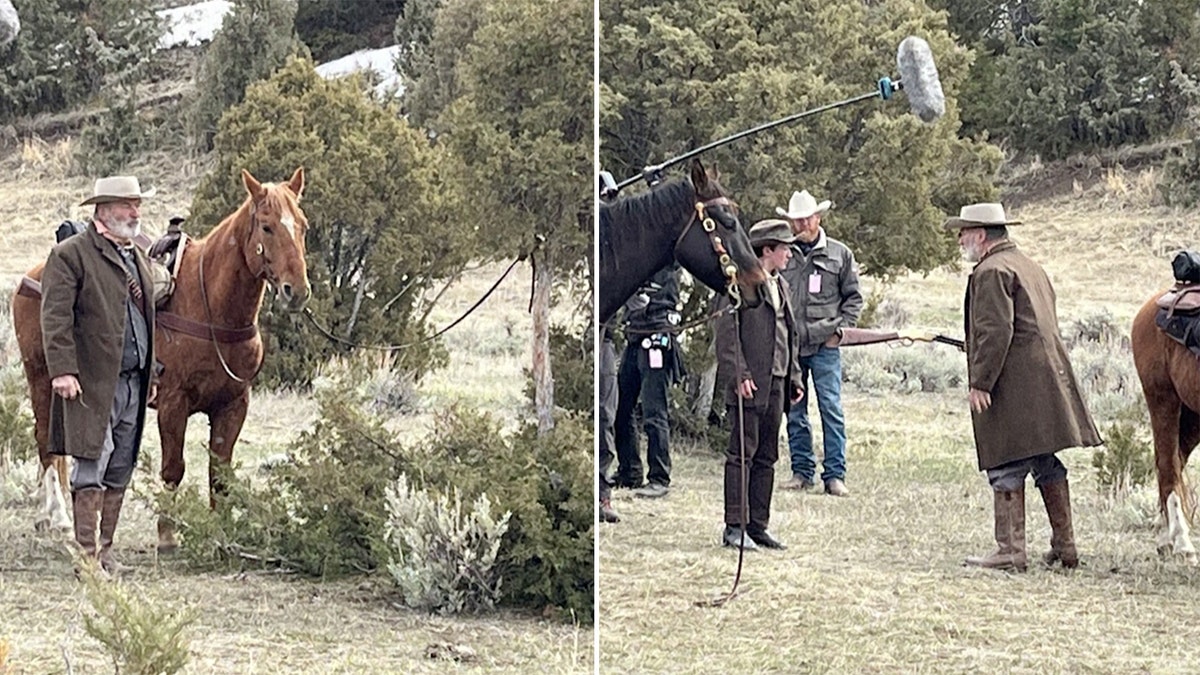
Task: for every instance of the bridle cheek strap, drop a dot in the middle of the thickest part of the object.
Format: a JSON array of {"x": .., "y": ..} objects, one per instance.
[{"x": 710, "y": 228}]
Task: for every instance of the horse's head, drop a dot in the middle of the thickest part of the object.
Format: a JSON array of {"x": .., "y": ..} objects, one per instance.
[
  {"x": 275, "y": 247},
  {"x": 709, "y": 255}
]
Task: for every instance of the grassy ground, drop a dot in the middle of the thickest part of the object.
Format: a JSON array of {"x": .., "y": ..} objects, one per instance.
[
  {"x": 258, "y": 622},
  {"x": 874, "y": 583}
]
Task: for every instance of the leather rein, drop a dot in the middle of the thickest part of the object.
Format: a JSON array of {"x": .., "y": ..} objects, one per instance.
[{"x": 265, "y": 273}]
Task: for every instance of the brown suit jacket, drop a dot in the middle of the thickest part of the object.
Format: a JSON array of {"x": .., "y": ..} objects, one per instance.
[
  {"x": 750, "y": 353},
  {"x": 84, "y": 290},
  {"x": 1015, "y": 352}
]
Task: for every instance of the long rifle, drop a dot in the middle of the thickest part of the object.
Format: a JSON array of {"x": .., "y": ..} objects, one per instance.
[{"x": 852, "y": 337}]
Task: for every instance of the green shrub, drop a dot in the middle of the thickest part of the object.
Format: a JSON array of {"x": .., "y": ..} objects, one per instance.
[
  {"x": 108, "y": 146},
  {"x": 572, "y": 359},
  {"x": 1126, "y": 461},
  {"x": 445, "y": 558},
  {"x": 17, "y": 440},
  {"x": 325, "y": 513},
  {"x": 140, "y": 637}
]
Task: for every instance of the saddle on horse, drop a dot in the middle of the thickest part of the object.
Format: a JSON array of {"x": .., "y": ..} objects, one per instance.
[
  {"x": 1179, "y": 308},
  {"x": 165, "y": 255}
]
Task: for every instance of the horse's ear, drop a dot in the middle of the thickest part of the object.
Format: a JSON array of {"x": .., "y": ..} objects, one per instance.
[
  {"x": 699, "y": 175},
  {"x": 254, "y": 187},
  {"x": 297, "y": 182}
]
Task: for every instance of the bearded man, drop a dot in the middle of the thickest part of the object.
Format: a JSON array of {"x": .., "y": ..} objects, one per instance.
[
  {"x": 98, "y": 334},
  {"x": 1024, "y": 399}
]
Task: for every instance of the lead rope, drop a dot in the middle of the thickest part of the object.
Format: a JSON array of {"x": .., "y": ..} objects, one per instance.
[{"x": 745, "y": 493}]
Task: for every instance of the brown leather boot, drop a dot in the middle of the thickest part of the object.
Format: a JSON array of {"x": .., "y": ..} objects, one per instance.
[
  {"x": 1057, "y": 497},
  {"x": 86, "y": 505},
  {"x": 1010, "y": 534},
  {"x": 110, "y": 514}
]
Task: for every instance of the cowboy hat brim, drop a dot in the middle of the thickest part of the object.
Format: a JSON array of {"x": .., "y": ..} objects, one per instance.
[
  {"x": 821, "y": 208},
  {"x": 956, "y": 223},
  {"x": 107, "y": 199}
]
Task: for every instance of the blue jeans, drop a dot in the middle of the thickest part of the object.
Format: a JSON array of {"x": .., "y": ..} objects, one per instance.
[{"x": 825, "y": 371}]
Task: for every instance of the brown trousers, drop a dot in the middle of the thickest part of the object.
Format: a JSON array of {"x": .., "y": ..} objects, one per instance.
[{"x": 760, "y": 434}]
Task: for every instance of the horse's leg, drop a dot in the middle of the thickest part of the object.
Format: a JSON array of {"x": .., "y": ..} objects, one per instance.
[
  {"x": 53, "y": 494},
  {"x": 1179, "y": 512},
  {"x": 172, "y": 428},
  {"x": 1165, "y": 410},
  {"x": 225, "y": 425}
]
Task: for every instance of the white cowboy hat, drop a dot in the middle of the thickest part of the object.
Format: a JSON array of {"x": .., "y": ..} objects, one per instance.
[
  {"x": 979, "y": 215},
  {"x": 115, "y": 189},
  {"x": 803, "y": 205}
]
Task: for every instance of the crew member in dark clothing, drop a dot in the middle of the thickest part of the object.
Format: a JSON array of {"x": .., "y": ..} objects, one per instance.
[{"x": 650, "y": 365}]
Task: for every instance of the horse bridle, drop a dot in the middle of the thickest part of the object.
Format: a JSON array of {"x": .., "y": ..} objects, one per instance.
[
  {"x": 728, "y": 268},
  {"x": 265, "y": 272}
]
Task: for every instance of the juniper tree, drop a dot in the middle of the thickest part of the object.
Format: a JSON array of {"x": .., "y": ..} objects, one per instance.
[
  {"x": 512, "y": 97},
  {"x": 254, "y": 40},
  {"x": 675, "y": 75},
  {"x": 386, "y": 214},
  {"x": 68, "y": 50}
]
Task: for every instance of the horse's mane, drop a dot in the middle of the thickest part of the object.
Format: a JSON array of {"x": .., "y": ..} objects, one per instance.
[
  {"x": 279, "y": 199},
  {"x": 659, "y": 207}
]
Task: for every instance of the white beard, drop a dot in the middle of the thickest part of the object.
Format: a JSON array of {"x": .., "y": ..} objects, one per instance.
[
  {"x": 127, "y": 229},
  {"x": 971, "y": 253}
]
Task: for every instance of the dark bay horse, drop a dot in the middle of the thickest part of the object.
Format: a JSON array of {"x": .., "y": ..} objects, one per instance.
[
  {"x": 1170, "y": 376},
  {"x": 640, "y": 234},
  {"x": 206, "y": 333}
]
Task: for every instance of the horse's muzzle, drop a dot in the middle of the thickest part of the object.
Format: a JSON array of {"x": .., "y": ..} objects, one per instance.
[{"x": 296, "y": 298}]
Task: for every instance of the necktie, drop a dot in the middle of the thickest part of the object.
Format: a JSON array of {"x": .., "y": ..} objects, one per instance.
[{"x": 135, "y": 291}]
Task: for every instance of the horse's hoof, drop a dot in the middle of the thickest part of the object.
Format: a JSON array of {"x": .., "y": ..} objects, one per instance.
[
  {"x": 1164, "y": 552},
  {"x": 41, "y": 525},
  {"x": 167, "y": 550}
]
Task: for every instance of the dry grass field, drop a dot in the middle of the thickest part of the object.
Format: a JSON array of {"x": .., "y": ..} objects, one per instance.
[
  {"x": 256, "y": 623},
  {"x": 874, "y": 583}
]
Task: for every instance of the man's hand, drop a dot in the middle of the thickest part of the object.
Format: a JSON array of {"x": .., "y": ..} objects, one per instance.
[
  {"x": 835, "y": 339},
  {"x": 66, "y": 386},
  {"x": 746, "y": 389},
  {"x": 153, "y": 394},
  {"x": 797, "y": 394},
  {"x": 980, "y": 400}
]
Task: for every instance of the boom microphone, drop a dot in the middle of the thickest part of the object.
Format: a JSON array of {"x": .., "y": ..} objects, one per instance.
[
  {"x": 10, "y": 23},
  {"x": 919, "y": 79}
]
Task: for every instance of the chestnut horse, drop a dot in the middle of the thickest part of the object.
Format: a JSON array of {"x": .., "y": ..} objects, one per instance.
[
  {"x": 206, "y": 333},
  {"x": 1170, "y": 376}
]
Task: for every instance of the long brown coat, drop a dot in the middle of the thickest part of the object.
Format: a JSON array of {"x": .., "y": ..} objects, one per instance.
[
  {"x": 1015, "y": 352},
  {"x": 84, "y": 290},
  {"x": 750, "y": 355}
]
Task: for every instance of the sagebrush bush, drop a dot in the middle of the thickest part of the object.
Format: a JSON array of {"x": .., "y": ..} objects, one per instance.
[
  {"x": 140, "y": 637},
  {"x": 445, "y": 557},
  {"x": 17, "y": 441},
  {"x": 1098, "y": 348},
  {"x": 907, "y": 369}
]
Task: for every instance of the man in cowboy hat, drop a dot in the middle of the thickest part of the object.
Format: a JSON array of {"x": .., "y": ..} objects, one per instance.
[
  {"x": 1025, "y": 402},
  {"x": 759, "y": 349},
  {"x": 98, "y": 334},
  {"x": 825, "y": 298}
]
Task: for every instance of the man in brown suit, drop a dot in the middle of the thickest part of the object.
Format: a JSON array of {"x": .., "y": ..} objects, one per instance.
[
  {"x": 758, "y": 346},
  {"x": 1025, "y": 402},
  {"x": 98, "y": 334}
]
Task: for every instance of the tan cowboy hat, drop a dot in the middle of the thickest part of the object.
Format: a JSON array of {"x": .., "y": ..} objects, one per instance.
[
  {"x": 979, "y": 215},
  {"x": 803, "y": 205},
  {"x": 772, "y": 231},
  {"x": 115, "y": 189}
]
